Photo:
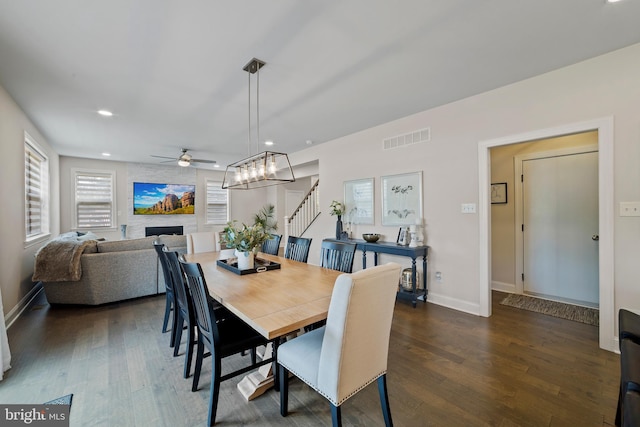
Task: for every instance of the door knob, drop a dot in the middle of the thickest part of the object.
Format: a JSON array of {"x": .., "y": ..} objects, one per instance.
[{"x": 595, "y": 237}]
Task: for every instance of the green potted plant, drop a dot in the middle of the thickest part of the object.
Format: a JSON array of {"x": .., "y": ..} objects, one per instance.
[
  {"x": 246, "y": 240},
  {"x": 267, "y": 218}
]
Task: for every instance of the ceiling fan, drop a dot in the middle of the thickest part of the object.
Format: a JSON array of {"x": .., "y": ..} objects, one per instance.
[{"x": 185, "y": 159}]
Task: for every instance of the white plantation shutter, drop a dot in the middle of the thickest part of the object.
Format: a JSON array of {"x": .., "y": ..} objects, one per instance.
[
  {"x": 94, "y": 199},
  {"x": 217, "y": 203},
  {"x": 36, "y": 170}
]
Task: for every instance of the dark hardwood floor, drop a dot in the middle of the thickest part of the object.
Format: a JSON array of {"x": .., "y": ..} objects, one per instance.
[{"x": 446, "y": 368}]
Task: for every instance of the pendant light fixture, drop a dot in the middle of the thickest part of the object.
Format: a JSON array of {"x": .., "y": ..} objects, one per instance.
[{"x": 261, "y": 169}]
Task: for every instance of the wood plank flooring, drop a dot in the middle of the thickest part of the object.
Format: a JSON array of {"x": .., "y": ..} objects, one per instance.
[{"x": 446, "y": 368}]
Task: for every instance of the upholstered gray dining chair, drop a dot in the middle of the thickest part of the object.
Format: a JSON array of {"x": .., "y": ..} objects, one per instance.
[{"x": 350, "y": 352}]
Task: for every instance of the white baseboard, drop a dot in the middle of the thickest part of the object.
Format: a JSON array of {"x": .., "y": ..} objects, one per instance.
[
  {"x": 503, "y": 287},
  {"x": 456, "y": 304},
  {"x": 22, "y": 305}
]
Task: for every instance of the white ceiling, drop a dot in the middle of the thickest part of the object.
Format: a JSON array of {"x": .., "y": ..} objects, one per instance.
[{"x": 171, "y": 71}]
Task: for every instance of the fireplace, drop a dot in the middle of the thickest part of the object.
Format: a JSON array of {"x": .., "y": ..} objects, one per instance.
[{"x": 157, "y": 231}]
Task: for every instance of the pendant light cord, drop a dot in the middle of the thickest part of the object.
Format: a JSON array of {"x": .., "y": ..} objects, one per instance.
[
  {"x": 258, "y": 110},
  {"x": 249, "y": 127}
]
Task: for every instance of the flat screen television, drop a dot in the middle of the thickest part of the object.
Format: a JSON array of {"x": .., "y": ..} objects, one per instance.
[{"x": 163, "y": 199}]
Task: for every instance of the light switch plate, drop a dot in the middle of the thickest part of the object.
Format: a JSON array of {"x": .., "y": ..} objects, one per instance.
[
  {"x": 629, "y": 208},
  {"x": 468, "y": 208}
]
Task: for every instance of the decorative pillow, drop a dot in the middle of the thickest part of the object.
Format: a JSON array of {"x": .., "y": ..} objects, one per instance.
[
  {"x": 71, "y": 235},
  {"x": 87, "y": 236}
]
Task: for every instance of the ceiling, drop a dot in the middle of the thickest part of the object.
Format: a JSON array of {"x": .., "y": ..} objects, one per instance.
[{"x": 171, "y": 71}]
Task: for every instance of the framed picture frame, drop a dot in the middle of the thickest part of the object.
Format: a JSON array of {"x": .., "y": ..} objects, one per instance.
[
  {"x": 499, "y": 193},
  {"x": 358, "y": 201},
  {"x": 401, "y": 198},
  {"x": 402, "y": 236}
]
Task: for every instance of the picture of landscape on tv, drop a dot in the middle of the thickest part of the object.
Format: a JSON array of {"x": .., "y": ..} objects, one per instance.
[{"x": 163, "y": 199}]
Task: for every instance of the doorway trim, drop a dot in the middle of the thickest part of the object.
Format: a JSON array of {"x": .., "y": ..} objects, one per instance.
[{"x": 604, "y": 126}]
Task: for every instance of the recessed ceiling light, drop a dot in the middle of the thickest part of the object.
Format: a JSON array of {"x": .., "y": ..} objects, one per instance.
[
  {"x": 106, "y": 154},
  {"x": 613, "y": 1},
  {"x": 105, "y": 113},
  {"x": 269, "y": 142},
  {"x": 216, "y": 165}
]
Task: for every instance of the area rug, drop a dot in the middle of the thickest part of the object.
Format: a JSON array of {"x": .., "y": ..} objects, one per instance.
[
  {"x": 64, "y": 400},
  {"x": 590, "y": 316}
]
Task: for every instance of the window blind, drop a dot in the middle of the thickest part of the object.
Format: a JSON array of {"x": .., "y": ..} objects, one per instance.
[
  {"x": 94, "y": 199},
  {"x": 35, "y": 191}
]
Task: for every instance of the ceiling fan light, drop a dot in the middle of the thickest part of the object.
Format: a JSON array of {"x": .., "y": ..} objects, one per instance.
[{"x": 184, "y": 163}]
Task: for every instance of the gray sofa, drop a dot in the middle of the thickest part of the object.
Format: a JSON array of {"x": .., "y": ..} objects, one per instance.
[{"x": 115, "y": 271}]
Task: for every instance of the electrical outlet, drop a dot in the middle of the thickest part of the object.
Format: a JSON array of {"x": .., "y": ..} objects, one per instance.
[
  {"x": 629, "y": 208},
  {"x": 438, "y": 276},
  {"x": 468, "y": 208}
]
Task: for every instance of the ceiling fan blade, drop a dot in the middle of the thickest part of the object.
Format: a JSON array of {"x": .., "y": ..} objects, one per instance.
[
  {"x": 164, "y": 157},
  {"x": 203, "y": 161}
]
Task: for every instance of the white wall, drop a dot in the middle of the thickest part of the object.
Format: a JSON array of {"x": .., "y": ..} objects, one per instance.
[
  {"x": 243, "y": 204},
  {"x": 16, "y": 258},
  {"x": 601, "y": 87}
]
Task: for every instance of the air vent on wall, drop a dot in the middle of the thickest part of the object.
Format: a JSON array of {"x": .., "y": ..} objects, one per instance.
[{"x": 415, "y": 137}]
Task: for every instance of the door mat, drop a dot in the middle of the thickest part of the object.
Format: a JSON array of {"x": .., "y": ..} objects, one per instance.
[
  {"x": 590, "y": 316},
  {"x": 64, "y": 400}
]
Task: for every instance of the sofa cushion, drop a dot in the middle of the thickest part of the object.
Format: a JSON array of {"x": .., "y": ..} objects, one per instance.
[{"x": 125, "y": 245}]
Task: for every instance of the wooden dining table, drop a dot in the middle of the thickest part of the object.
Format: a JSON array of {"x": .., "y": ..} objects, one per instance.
[{"x": 274, "y": 302}]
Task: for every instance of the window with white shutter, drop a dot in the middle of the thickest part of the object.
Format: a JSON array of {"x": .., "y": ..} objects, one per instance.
[
  {"x": 217, "y": 203},
  {"x": 94, "y": 199},
  {"x": 36, "y": 190}
]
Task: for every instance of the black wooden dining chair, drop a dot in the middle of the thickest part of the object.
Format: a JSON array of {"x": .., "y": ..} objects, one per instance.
[
  {"x": 337, "y": 255},
  {"x": 184, "y": 311},
  {"x": 297, "y": 248},
  {"x": 222, "y": 338},
  {"x": 170, "y": 297},
  {"x": 272, "y": 246}
]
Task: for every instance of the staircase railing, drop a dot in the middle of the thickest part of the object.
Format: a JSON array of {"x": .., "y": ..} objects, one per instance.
[{"x": 304, "y": 215}]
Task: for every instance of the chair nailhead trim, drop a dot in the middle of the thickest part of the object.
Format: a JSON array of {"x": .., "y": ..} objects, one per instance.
[{"x": 327, "y": 397}]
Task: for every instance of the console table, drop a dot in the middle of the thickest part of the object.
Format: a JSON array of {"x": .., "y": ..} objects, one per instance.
[{"x": 394, "y": 249}]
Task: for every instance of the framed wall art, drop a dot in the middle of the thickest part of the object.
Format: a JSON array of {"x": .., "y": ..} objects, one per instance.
[
  {"x": 499, "y": 193},
  {"x": 358, "y": 200},
  {"x": 401, "y": 198}
]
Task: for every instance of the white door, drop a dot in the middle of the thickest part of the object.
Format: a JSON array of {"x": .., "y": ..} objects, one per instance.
[{"x": 560, "y": 215}]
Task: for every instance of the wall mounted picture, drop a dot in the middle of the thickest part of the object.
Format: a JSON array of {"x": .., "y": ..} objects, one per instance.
[
  {"x": 358, "y": 200},
  {"x": 401, "y": 198},
  {"x": 499, "y": 193}
]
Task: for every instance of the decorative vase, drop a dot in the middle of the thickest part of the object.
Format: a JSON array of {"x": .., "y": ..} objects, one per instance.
[
  {"x": 339, "y": 227},
  {"x": 245, "y": 260},
  {"x": 123, "y": 231}
]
